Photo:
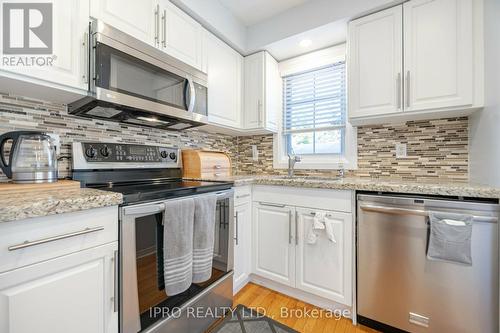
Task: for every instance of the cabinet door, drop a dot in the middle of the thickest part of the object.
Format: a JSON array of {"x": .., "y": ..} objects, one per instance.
[
  {"x": 72, "y": 293},
  {"x": 273, "y": 243},
  {"x": 375, "y": 63},
  {"x": 438, "y": 54},
  {"x": 324, "y": 268},
  {"x": 70, "y": 25},
  {"x": 274, "y": 93},
  {"x": 180, "y": 35},
  {"x": 242, "y": 245},
  {"x": 224, "y": 69},
  {"x": 254, "y": 90},
  {"x": 136, "y": 18}
]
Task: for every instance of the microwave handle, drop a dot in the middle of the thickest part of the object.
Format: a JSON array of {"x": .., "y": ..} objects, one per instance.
[{"x": 192, "y": 95}]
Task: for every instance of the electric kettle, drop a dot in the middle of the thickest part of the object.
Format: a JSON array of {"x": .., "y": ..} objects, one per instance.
[{"x": 32, "y": 157}]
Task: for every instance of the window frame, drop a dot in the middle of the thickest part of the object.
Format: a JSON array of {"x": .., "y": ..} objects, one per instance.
[{"x": 347, "y": 160}]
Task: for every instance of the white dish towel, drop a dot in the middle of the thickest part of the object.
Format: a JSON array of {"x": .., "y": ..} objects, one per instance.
[
  {"x": 203, "y": 239},
  {"x": 321, "y": 222},
  {"x": 329, "y": 229},
  {"x": 178, "y": 222}
]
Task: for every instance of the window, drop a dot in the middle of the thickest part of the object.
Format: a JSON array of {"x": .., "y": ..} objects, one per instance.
[
  {"x": 314, "y": 122},
  {"x": 315, "y": 111}
]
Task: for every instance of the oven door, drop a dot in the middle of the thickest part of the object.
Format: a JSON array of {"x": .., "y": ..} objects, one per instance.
[{"x": 144, "y": 304}]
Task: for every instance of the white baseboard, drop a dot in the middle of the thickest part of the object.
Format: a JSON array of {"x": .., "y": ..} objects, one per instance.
[{"x": 239, "y": 286}]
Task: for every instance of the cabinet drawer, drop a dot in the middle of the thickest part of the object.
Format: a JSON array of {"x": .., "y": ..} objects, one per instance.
[
  {"x": 34, "y": 240},
  {"x": 242, "y": 194},
  {"x": 338, "y": 200}
]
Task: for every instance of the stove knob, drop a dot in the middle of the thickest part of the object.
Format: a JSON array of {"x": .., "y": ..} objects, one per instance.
[
  {"x": 105, "y": 151},
  {"x": 90, "y": 152},
  {"x": 173, "y": 156},
  {"x": 163, "y": 154}
]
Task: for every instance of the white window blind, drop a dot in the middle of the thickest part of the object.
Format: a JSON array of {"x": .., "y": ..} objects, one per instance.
[{"x": 315, "y": 103}]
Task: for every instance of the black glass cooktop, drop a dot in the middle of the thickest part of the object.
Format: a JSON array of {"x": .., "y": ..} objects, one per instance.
[{"x": 134, "y": 192}]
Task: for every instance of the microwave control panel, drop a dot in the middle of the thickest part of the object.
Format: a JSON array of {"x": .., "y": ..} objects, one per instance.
[{"x": 127, "y": 153}]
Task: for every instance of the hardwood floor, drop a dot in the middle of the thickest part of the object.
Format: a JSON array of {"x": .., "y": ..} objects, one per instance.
[{"x": 272, "y": 302}]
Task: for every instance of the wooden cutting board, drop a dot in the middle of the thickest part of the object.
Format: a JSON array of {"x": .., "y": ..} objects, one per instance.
[{"x": 59, "y": 185}]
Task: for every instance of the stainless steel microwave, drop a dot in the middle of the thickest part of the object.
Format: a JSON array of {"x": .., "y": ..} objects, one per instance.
[{"x": 133, "y": 82}]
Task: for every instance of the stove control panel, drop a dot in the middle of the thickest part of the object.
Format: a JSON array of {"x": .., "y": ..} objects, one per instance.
[{"x": 127, "y": 153}]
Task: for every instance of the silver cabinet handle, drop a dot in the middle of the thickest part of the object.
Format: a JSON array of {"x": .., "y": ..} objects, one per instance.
[
  {"x": 236, "y": 219},
  {"x": 242, "y": 196},
  {"x": 164, "y": 21},
  {"x": 271, "y": 204},
  {"x": 259, "y": 111},
  {"x": 54, "y": 238},
  {"x": 217, "y": 166},
  {"x": 408, "y": 89},
  {"x": 85, "y": 45},
  {"x": 296, "y": 228},
  {"x": 157, "y": 24},
  {"x": 115, "y": 289},
  {"x": 289, "y": 227},
  {"x": 217, "y": 174},
  {"x": 398, "y": 89}
]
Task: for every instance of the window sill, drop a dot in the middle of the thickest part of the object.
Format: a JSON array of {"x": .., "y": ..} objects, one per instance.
[{"x": 323, "y": 164}]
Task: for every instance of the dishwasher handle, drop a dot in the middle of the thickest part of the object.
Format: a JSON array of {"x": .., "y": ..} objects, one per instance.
[{"x": 417, "y": 212}]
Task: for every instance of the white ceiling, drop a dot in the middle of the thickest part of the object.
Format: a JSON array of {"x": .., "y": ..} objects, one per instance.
[
  {"x": 250, "y": 12},
  {"x": 327, "y": 35}
]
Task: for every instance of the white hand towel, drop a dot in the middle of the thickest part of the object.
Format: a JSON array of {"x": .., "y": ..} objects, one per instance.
[
  {"x": 204, "y": 235},
  {"x": 318, "y": 221},
  {"x": 329, "y": 226},
  {"x": 178, "y": 245}
]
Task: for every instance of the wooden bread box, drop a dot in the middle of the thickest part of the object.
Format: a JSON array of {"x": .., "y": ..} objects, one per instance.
[{"x": 202, "y": 164}]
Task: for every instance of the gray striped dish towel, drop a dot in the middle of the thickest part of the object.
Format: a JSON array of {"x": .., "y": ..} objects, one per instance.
[
  {"x": 203, "y": 240},
  {"x": 178, "y": 245}
]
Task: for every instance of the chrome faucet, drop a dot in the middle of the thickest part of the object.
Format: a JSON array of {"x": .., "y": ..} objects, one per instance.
[{"x": 292, "y": 159}]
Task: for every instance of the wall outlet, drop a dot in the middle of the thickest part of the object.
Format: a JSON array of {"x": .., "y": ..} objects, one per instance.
[
  {"x": 255, "y": 153},
  {"x": 401, "y": 150}
]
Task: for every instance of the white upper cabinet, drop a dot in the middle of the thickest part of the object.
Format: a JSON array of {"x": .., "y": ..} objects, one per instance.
[
  {"x": 224, "y": 69},
  {"x": 179, "y": 35},
  {"x": 69, "y": 54},
  {"x": 376, "y": 64},
  {"x": 135, "y": 18},
  {"x": 419, "y": 60},
  {"x": 438, "y": 54},
  {"x": 262, "y": 93}
]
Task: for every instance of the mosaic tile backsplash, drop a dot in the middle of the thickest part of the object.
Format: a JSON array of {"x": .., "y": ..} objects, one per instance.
[
  {"x": 437, "y": 149},
  {"x": 21, "y": 113}
]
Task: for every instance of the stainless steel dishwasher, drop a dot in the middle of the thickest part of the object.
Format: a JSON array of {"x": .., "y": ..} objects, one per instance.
[{"x": 399, "y": 289}]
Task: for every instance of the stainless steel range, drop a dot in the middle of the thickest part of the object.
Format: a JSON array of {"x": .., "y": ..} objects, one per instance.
[{"x": 148, "y": 177}]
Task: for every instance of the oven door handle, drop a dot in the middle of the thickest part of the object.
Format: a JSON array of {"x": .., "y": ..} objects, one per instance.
[{"x": 146, "y": 209}]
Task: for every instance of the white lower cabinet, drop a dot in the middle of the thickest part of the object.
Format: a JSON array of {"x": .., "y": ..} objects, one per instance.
[
  {"x": 242, "y": 245},
  {"x": 282, "y": 251},
  {"x": 273, "y": 247},
  {"x": 72, "y": 293},
  {"x": 324, "y": 268}
]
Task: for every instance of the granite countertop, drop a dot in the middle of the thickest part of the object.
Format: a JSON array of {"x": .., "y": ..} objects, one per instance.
[
  {"x": 22, "y": 205},
  {"x": 365, "y": 184}
]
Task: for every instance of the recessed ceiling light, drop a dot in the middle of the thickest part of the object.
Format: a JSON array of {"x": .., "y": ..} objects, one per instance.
[{"x": 305, "y": 43}]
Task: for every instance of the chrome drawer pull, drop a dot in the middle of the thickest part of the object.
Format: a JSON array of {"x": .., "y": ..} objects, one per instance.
[
  {"x": 242, "y": 196},
  {"x": 271, "y": 204},
  {"x": 55, "y": 238}
]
